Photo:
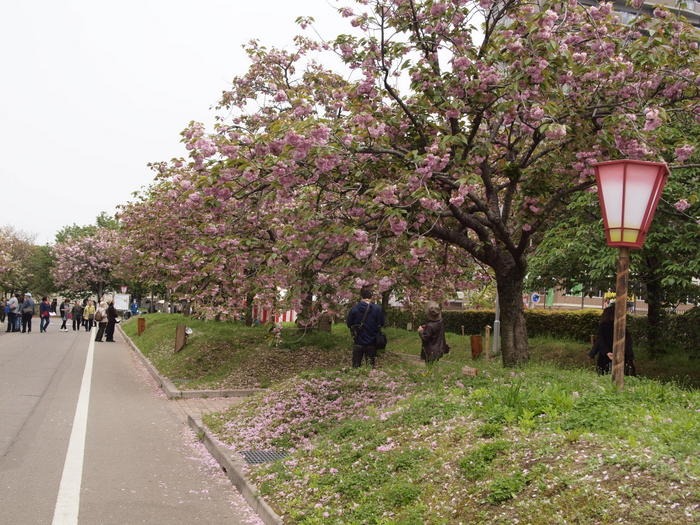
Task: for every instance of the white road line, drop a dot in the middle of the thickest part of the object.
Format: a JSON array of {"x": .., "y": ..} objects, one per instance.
[{"x": 68, "y": 500}]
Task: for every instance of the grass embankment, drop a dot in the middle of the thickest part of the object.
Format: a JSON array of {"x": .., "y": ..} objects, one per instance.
[{"x": 404, "y": 444}]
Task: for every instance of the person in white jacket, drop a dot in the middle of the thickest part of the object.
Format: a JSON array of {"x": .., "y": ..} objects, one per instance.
[{"x": 101, "y": 319}]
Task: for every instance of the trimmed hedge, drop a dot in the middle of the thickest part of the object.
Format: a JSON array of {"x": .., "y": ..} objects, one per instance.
[{"x": 576, "y": 325}]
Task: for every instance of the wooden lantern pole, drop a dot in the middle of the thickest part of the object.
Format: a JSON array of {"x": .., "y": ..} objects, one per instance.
[{"x": 618, "y": 361}]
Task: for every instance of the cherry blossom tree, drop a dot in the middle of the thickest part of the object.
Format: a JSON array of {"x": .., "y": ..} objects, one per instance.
[
  {"x": 87, "y": 262},
  {"x": 495, "y": 130},
  {"x": 455, "y": 131},
  {"x": 20, "y": 262}
]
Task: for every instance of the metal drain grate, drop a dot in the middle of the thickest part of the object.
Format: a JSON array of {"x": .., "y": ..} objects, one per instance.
[{"x": 255, "y": 457}]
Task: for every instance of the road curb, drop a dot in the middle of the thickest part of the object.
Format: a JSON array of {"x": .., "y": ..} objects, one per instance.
[{"x": 234, "y": 472}]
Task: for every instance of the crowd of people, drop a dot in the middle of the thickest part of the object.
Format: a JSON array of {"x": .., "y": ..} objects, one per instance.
[{"x": 19, "y": 310}]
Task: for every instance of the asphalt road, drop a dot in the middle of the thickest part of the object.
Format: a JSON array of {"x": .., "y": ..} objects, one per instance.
[{"x": 86, "y": 438}]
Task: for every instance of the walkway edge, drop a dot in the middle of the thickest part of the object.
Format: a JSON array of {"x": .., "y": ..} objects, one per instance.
[
  {"x": 235, "y": 473},
  {"x": 171, "y": 391}
]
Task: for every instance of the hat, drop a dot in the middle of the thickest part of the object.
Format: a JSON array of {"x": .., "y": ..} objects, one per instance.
[{"x": 28, "y": 294}]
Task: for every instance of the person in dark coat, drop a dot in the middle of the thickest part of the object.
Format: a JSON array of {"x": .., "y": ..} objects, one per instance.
[
  {"x": 365, "y": 320},
  {"x": 432, "y": 335},
  {"x": 27, "y": 313},
  {"x": 602, "y": 350},
  {"x": 44, "y": 314},
  {"x": 111, "y": 322},
  {"x": 77, "y": 314}
]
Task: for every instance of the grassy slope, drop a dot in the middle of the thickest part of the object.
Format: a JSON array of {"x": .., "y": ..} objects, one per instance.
[{"x": 406, "y": 444}]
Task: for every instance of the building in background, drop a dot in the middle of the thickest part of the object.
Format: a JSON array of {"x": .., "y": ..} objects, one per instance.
[{"x": 690, "y": 9}]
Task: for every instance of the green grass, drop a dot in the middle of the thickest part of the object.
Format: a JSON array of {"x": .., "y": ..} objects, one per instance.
[
  {"x": 537, "y": 445},
  {"x": 550, "y": 442},
  {"x": 231, "y": 355}
]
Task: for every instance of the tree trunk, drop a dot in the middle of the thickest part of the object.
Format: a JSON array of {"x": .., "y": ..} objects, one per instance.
[
  {"x": 514, "y": 347},
  {"x": 249, "y": 298},
  {"x": 305, "y": 319},
  {"x": 385, "y": 300}
]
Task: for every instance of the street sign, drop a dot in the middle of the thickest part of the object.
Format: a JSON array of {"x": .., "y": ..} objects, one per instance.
[{"x": 535, "y": 298}]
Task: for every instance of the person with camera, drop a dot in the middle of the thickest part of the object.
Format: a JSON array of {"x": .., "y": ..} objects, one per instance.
[{"x": 365, "y": 321}]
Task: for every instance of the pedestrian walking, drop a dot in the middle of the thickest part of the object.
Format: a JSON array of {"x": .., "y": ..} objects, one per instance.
[
  {"x": 111, "y": 322},
  {"x": 13, "y": 313},
  {"x": 365, "y": 321},
  {"x": 54, "y": 305},
  {"x": 89, "y": 315},
  {"x": 3, "y": 312},
  {"x": 101, "y": 318},
  {"x": 44, "y": 314},
  {"x": 27, "y": 313},
  {"x": 64, "y": 310},
  {"x": 77, "y": 313}
]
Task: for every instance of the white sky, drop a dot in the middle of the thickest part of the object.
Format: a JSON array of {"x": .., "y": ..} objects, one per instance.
[{"x": 91, "y": 91}]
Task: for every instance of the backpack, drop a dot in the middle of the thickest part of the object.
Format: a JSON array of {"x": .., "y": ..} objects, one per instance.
[{"x": 98, "y": 316}]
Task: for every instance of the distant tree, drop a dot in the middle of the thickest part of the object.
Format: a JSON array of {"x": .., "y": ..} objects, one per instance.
[
  {"x": 17, "y": 251},
  {"x": 103, "y": 220},
  {"x": 74, "y": 231},
  {"x": 39, "y": 267},
  {"x": 86, "y": 263},
  {"x": 573, "y": 252}
]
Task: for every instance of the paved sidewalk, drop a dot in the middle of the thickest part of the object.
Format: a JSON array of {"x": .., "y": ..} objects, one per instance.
[{"x": 189, "y": 406}]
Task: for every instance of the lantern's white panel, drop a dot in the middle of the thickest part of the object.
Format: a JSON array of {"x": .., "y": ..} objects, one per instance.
[
  {"x": 611, "y": 178},
  {"x": 638, "y": 191}
]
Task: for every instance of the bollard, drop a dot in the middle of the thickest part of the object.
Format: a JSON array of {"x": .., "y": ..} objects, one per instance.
[
  {"x": 140, "y": 325},
  {"x": 476, "y": 346},
  {"x": 487, "y": 341},
  {"x": 180, "y": 337}
]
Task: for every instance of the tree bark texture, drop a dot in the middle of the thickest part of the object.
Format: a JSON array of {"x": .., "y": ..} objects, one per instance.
[
  {"x": 514, "y": 346},
  {"x": 618, "y": 361}
]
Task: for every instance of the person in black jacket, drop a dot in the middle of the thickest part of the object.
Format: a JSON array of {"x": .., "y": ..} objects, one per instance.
[
  {"x": 111, "y": 322},
  {"x": 602, "y": 350},
  {"x": 365, "y": 321}
]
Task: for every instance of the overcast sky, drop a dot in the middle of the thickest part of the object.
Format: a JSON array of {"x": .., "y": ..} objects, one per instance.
[{"x": 91, "y": 91}]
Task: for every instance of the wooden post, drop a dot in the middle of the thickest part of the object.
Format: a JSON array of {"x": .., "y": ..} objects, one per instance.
[
  {"x": 325, "y": 323},
  {"x": 618, "y": 361},
  {"x": 476, "y": 346},
  {"x": 180, "y": 337},
  {"x": 140, "y": 325}
]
